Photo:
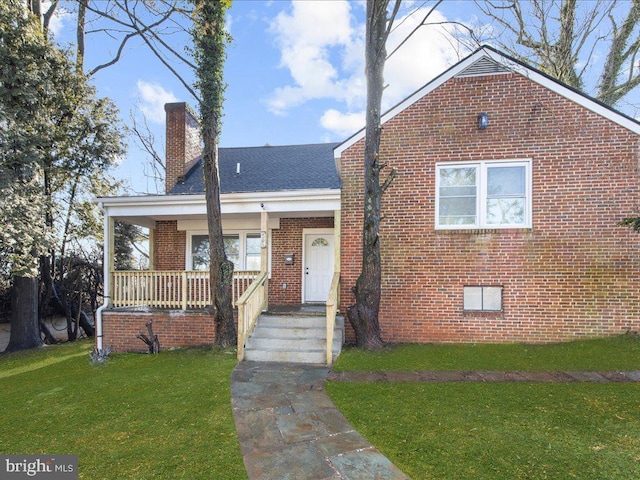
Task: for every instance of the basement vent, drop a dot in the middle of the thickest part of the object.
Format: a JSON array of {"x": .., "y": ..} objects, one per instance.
[{"x": 484, "y": 66}]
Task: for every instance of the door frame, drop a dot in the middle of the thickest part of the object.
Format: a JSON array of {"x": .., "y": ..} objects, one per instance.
[{"x": 314, "y": 231}]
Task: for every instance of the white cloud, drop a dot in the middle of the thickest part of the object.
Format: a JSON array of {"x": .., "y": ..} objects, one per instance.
[
  {"x": 342, "y": 124},
  {"x": 323, "y": 49},
  {"x": 313, "y": 42},
  {"x": 228, "y": 23},
  {"x": 151, "y": 99},
  {"x": 426, "y": 54}
]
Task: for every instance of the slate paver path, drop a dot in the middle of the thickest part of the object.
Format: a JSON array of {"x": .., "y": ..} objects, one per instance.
[{"x": 288, "y": 428}]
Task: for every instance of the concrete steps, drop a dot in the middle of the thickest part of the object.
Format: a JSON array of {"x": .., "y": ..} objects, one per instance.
[{"x": 292, "y": 339}]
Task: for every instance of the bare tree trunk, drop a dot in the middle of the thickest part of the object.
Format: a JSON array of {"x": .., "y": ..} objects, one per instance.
[
  {"x": 25, "y": 326},
  {"x": 48, "y": 336},
  {"x": 220, "y": 268},
  {"x": 80, "y": 25},
  {"x": 210, "y": 39},
  {"x": 624, "y": 48},
  {"x": 363, "y": 316},
  {"x": 226, "y": 334}
]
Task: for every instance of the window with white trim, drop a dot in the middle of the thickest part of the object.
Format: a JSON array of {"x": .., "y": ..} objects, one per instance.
[
  {"x": 488, "y": 194},
  {"x": 242, "y": 248},
  {"x": 200, "y": 250},
  {"x": 482, "y": 299}
]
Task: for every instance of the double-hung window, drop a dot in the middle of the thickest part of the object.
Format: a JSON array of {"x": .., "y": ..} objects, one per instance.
[
  {"x": 489, "y": 194},
  {"x": 243, "y": 249}
]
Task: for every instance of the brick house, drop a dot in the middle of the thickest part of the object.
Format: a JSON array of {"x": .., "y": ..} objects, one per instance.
[
  {"x": 278, "y": 207},
  {"x": 501, "y": 226}
]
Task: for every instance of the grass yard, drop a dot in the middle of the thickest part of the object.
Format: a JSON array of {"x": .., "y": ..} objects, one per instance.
[
  {"x": 165, "y": 416},
  {"x": 499, "y": 431},
  {"x": 620, "y": 353}
]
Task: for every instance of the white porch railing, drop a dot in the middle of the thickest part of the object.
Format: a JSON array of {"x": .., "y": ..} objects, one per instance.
[
  {"x": 170, "y": 288},
  {"x": 252, "y": 302},
  {"x": 332, "y": 309}
]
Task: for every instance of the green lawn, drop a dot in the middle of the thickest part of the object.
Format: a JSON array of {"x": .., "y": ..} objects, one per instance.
[
  {"x": 165, "y": 416},
  {"x": 499, "y": 430},
  {"x": 169, "y": 415},
  {"x": 608, "y": 354}
]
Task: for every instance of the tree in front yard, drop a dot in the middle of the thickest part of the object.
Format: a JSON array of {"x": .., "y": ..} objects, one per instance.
[
  {"x": 210, "y": 39},
  {"x": 53, "y": 132},
  {"x": 363, "y": 316}
]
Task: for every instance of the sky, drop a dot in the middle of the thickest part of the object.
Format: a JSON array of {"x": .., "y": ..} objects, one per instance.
[{"x": 294, "y": 69}]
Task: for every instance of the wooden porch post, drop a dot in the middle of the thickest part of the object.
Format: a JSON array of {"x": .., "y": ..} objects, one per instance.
[
  {"x": 152, "y": 248},
  {"x": 336, "y": 240},
  {"x": 109, "y": 259},
  {"x": 264, "y": 252}
]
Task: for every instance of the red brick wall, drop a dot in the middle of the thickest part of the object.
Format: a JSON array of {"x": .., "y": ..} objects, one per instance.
[
  {"x": 170, "y": 246},
  {"x": 174, "y": 329},
  {"x": 182, "y": 140},
  {"x": 575, "y": 273},
  {"x": 288, "y": 239}
]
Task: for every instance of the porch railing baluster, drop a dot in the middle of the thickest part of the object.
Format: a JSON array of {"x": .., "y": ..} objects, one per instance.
[{"x": 170, "y": 288}]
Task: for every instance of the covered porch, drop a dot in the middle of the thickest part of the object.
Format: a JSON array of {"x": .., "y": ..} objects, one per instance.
[{"x": 275, "y": 232}]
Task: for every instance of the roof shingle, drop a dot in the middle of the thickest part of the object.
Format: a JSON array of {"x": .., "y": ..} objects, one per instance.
[{"x": 268, "y": 169}]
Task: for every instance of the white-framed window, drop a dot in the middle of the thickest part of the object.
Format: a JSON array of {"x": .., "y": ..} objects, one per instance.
[
  {"x": 486, "y": 194},
  {"x": 242, "y": 248},
  {"x": 482, "y": 299}
]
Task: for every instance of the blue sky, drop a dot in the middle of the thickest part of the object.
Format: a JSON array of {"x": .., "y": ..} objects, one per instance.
[{"x": 295, "y": 72}]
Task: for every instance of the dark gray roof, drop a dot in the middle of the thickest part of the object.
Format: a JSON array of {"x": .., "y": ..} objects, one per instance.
[{"x": 268, "y": 169}]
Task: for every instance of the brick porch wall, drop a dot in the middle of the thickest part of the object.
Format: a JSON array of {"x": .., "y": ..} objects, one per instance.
[
  {"x": 170, "y": 246},
  {"x": 576, "y": 273},
  {"x": 288, "y": 239},
  {"x": 174, "y": 329}
]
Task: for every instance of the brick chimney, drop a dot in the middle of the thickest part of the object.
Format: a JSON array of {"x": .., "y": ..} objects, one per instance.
[{"x": 183, "y": 141}]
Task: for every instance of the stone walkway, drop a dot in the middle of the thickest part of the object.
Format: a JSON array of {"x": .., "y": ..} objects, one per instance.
[{"x": 289, "y": 428}]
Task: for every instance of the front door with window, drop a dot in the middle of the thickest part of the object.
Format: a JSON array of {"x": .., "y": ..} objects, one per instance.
[{"x": 318, "y": 266}]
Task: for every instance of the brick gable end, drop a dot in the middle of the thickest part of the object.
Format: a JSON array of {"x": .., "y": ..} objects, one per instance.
[{"x": 575, "y": 273}]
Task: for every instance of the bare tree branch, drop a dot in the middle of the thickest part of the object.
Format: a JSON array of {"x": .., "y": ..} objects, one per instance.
[
  {"x": 134, "y": 23},
  {"x": 144, "y": 137},
  {"x": 608, "y": 89},
  {"x": 387, "y": 183},
  {"x": 116, "y": 58},
  {"x": 137, "y": 31},
  {"x": 560, "y": 38},
  {"x": 46, "y": 18},
  {"x": 422, "y": 23}
]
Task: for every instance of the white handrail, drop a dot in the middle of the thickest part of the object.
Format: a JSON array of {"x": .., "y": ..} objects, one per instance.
[
  {"x": 250, "y": 305},
  {"x": 332, "y": 309}
]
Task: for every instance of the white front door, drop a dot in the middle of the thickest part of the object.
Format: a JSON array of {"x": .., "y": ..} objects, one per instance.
[{"x": 318, "y": 266}]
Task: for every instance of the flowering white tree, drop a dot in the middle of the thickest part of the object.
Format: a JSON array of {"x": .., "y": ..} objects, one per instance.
[{"x": 53, "y": 134}]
